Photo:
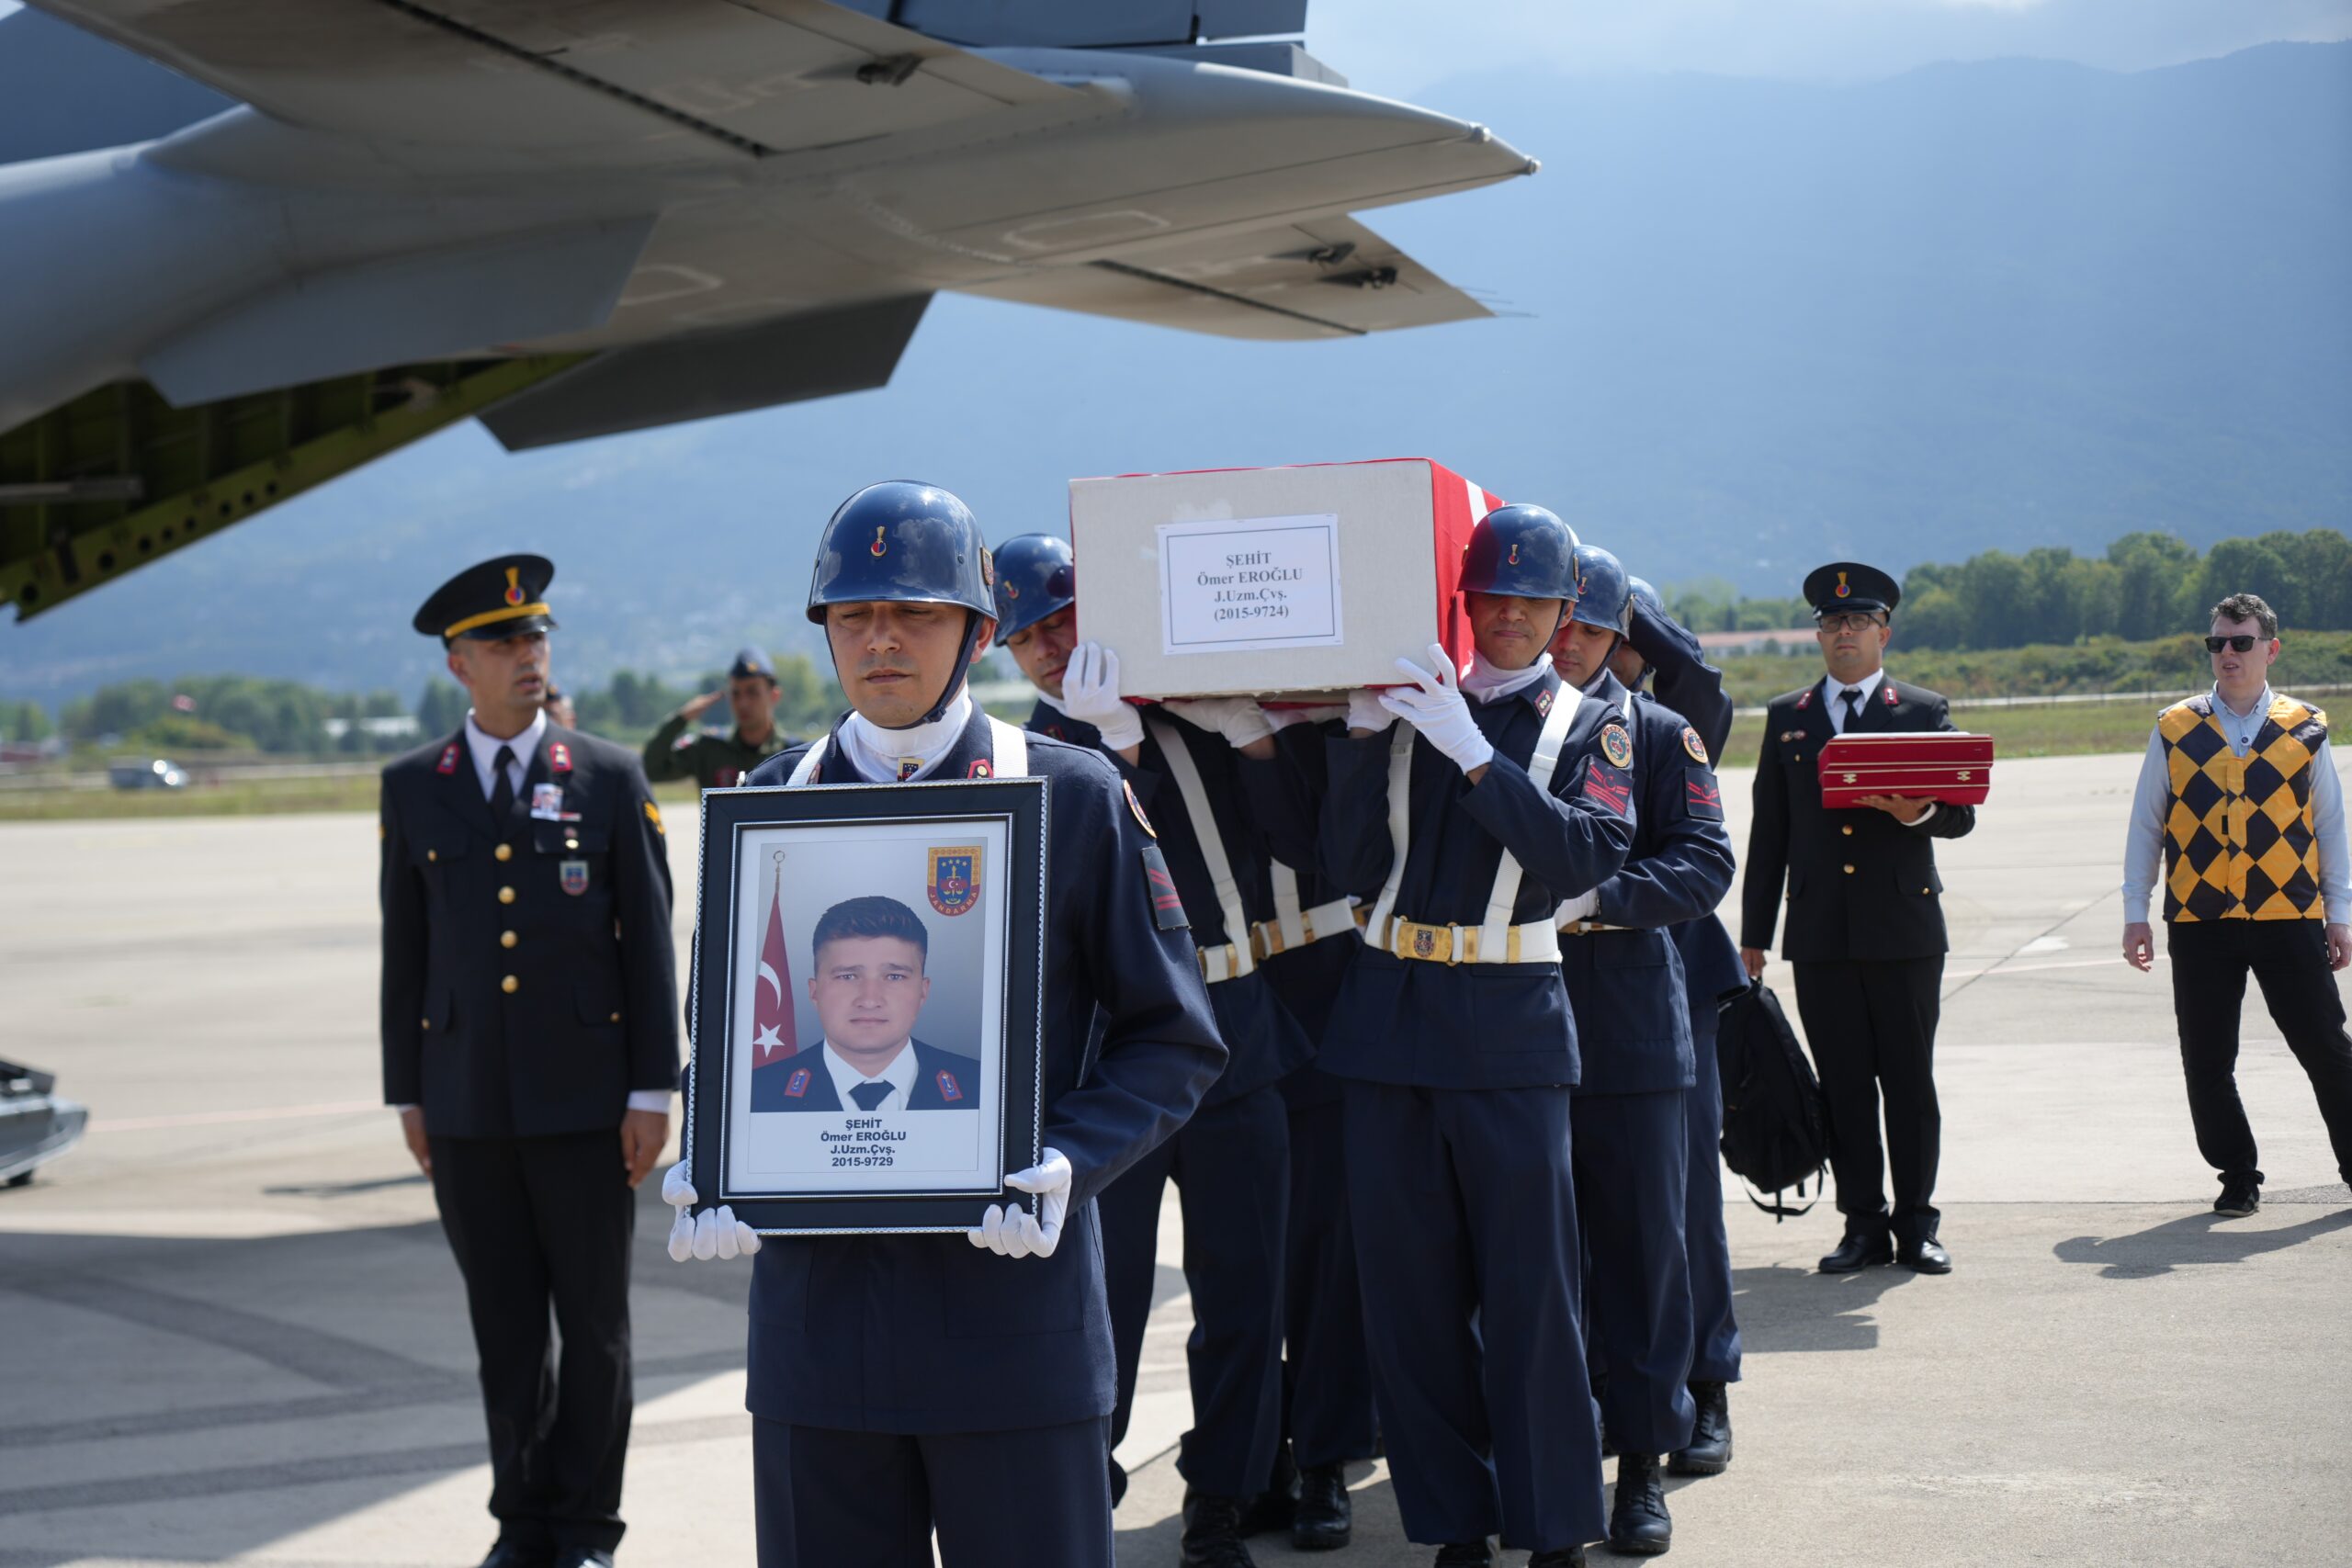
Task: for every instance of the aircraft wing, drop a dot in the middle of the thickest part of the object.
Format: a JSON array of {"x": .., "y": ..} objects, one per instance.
[
  {"x": 602, "y": 82},
  {"x": 1326, "y": 278}
]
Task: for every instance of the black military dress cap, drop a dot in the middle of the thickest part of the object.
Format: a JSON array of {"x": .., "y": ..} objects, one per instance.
[
  {"x": 750, "y": 662},
  {"x": 496, "y": 599},
  {"x": 1846, "y": 585}
]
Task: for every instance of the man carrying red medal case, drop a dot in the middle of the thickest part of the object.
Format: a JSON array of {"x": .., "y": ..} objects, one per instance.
[{"x": 1865, "y": 927}]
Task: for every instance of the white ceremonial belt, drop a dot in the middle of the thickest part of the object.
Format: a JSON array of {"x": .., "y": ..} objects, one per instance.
[
  {"x": 1223, "y": 962},
  {"x": 1338, "y": 917},
  {"x": 1586, "y": 928},
  {"x": 1531, "y": 941}
]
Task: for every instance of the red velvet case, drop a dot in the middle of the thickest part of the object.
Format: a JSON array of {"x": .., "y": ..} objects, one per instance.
[{"x": 1955, "y": 769}]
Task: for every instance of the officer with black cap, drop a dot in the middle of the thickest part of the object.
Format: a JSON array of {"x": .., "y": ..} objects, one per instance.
[
  {"x": 987, "y": 1419},
  {"x": 1711, "y": 976},
  {"x": 721, "y": 762},
  {"x": 1626, "y": 982},
  {"x": 1186, "y": 761},
  {"x": 1865, "y": 927},
  {"x": 530, "y": 1041},
  {"x": 1502, "y": 795}
]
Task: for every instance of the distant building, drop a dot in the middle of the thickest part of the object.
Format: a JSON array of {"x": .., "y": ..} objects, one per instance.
[
  {"x": 1797, "y": 640},
  {"x": 392, "y": 727}
]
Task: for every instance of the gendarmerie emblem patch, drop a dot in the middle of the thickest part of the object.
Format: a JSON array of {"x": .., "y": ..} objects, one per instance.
[
  {"x": 1616, "y": 745},
  {"x": 574, "y": 876},
  {"x": 955, "y": 880},
  {"x": 1696, "y": 747}
]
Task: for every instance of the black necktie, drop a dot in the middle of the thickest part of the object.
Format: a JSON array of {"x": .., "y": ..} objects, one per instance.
[
  {"x": 1852, "y": 697},
  {"x": 502, "y": 790},
  {"x": 869, "y": 1095}
]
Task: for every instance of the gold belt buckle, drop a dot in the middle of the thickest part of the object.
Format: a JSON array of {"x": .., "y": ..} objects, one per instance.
[{"x": 1431, "y": 944}]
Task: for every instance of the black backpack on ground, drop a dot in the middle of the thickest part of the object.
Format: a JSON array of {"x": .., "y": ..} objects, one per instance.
[{"x": 1776, "y": 1128}]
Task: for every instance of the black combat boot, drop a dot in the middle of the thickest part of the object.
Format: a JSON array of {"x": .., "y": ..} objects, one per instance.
[
  {"x": 1324, "y": 1518},
  {"x": 1465, "y": 1554},
  {"x": 1270, "y": 1509},
  {"x": 1213, "y": 1532},
  {"x": 1563, "y": 1557},
  {"x": 1638, "y": 1524},
  {"x": 1709, "y": 1451}
]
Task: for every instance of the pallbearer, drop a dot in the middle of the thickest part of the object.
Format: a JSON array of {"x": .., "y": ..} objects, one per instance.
[
  {"x": 900, "y": 1385},
  {"x": 1497, "y": 799},
  {"x": 1625, "y": 980},
  {"x": 1184, "y": 762}
]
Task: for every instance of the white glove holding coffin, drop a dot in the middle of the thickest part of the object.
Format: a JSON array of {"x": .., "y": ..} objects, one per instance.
[
  {"x": 1090, "y": 695},
  {"x": 716, "y": 1233},
  {"x": 1010, "y": 1231},
  {"x": 1434, "y": 704},
  {"x": 1365, "y": 711},
  {"x": 1239, "y": 719}
]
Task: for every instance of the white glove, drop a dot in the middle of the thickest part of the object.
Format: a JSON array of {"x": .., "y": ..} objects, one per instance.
[
  {"x": 1090, "y": 695},
  {"x": 1282, "y": 718},
  {"x": 716, "y": 1234},
  {"x": 1365, "y": 711},
  {"x": 1583, "y": 907},
  {"x": 1434, "y": 704},
  {"x": 1011, "y": 1231},
  {"x": 1239, "y": 719}
]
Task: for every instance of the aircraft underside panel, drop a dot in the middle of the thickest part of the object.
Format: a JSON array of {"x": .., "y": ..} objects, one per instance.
[{"x": 118, "y": 478}]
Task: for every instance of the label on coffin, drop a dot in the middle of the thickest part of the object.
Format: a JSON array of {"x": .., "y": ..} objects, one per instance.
[{"x": 1254, "y": 584}]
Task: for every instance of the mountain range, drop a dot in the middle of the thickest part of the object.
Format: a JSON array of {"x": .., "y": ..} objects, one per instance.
[{"x": 1743, "y": 327}]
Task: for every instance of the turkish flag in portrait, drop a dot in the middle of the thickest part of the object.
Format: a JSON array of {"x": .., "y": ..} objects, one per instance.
[{"x": 774, "y": 1036}]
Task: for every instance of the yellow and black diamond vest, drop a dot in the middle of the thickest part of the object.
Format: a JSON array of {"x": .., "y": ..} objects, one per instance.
[{"x": 2238, "y": 838}]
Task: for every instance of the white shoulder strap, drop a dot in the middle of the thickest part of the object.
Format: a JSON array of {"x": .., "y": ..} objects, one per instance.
[
  {"x": 1289, "y": 915},
  {"x": 1010, "y": 745},
  {"x": 1494, "y": 933},
  {"x": 1400, "y": 829},
  {"x": 1205, "y": 829}
]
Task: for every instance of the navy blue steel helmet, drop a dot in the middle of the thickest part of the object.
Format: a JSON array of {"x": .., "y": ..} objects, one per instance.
[
  {"x": 1034, "y": 577},
  {"x": 1646, "y": 599},
  {"x": 1525, "y": 551},
  {"x": 1605, "y": 592},
  {"x": 905, "y": 542}
]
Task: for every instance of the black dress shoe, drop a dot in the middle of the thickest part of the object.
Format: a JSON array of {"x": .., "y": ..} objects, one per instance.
[
  {"x": 1858, "y": 1250},
  {"x": 1561, "y": 1557},
  {"x": 512, "y": 1554},
  {"x": 1465, "y": 1554},
  {"x": 583, "y": 1557},
  {"x": 1709, "y": 1451},
  {"x": 1926, "y": 1255},
  {"x": 2240, "y": 1196},
  {"x": 1271, "y": 1510},
  {"x": 1638, "y": 1522},
  {"x": 1213, "y": 1532},
  {"x": 1324, "y": 1518}
]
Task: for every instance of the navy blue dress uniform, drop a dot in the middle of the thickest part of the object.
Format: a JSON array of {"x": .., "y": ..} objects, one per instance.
[
  {"x": 944, "y": 1080},
  {"x": 1626, "y": 983},
  {"x": 1231, "y": 1162},
  {"x": 528, "y": 991},
  {"x": 899, "y": 1382},
  {"x": 1454, "y": 1033},
  {"x": 1865, "y": 930}
]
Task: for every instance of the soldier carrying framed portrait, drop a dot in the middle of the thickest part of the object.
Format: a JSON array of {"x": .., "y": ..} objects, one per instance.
[{"x": 868, "y": 1003}]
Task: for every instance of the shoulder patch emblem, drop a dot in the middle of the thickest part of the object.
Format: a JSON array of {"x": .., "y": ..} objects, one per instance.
[
  {"x": 1167, "y": 905},
  {"x": 796, "y": 1086},
  {"x": 1703, "y": 798},
  {"x": 653, "y": 815},
  {"x": 1608, "y": 791},
  {"x": 949, "y": 1089},
  {"x": 1616, "y": 745},
  {"x": 558, "y": 757},
  {"x": 449, "y": 762},
  {"x": 1696, "y": 747},
  {"x": 1137, "y": 807},
  {"x": 981, "y": 768}
]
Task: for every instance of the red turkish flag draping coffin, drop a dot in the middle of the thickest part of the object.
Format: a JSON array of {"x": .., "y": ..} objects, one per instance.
[
  {"x": 1952, "y": 768},
  {"x": 1273, "y": 582}
]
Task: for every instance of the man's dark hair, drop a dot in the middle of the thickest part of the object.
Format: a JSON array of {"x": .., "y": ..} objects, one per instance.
[
  {"x": 2248, "y": 607},
  {"x": 872, "y": 915}
]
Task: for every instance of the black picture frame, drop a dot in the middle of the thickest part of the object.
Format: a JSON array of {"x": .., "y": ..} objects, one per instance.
[{"x": 859, "y": 831}]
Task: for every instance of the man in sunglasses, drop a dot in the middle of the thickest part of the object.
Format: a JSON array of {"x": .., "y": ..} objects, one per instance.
[
  {"x": 1865, "y": 929},
  {"x": 2239, "y": 797}
]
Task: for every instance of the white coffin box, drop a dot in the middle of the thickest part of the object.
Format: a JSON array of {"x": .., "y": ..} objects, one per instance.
[{"x": 1273, "y": 580}]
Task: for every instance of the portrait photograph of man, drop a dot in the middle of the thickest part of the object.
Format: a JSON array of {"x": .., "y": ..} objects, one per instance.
[{"x": 868, "y": 985}]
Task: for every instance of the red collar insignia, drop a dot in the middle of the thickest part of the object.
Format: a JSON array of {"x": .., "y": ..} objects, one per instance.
[
  {"x": 449, "y": 762},
  {"x": 1805, "y": 699},
  {"x": 981, "y": 768},
  {"x": 1886, "y": 692},
  {"x": 558, "y": 757}
]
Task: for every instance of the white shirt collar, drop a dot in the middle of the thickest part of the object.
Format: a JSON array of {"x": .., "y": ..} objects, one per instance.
[
  {"x": 2254, "y": 714},
  {"x": 1488, "y": 684},
  {"x": 900, "y": 1075},
  {"x": 482, "y": 746},
  {"x": 1833, "y": 692},
  {"x": 879, "y": 751}
]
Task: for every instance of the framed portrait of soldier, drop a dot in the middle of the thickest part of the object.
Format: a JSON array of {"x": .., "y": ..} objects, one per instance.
[{"x": 868, "y": 1003}]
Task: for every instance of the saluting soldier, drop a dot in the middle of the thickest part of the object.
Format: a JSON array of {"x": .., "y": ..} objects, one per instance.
[
  {"x": 993, "y": 1434},
  {"x": 721, "y": 762},
  {"x": 1865, "y": 925},
  {"x": 1711, "y": 976},
  {"x": 1498, "y": 799},
  {"x": 1626, "y": 983},
  {"x": 530, "y": 1041},
  {"x": 1232, "y": 1161}
]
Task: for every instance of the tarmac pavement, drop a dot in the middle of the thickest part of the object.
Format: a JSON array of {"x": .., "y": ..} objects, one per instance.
[{"x": 230, "y": 1330}]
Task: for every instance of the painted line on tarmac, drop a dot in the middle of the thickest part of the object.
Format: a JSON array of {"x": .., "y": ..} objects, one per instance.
[
  {"x": 230, "y": 1118},
  {"x": 2000, "y": 972}
]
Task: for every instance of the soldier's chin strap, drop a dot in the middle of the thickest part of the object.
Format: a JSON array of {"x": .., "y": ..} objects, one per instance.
[{"x": 956, "y": 675}]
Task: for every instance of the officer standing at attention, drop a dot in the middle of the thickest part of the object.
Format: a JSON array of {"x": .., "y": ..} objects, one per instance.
[
  {"x": 2240, "y": 796},
  {"x": 530, "y": 1041},
  {"x": 980, "y": 1403},
  {"x": 1866, "y": 931},
  {"x": 1495, "y": 801},
  {"x": 721, "y": 762},
  {"x": 1711, "y": 976},
  {"x": 1232, "y": 1161},
  {"x": 1625, "y": 984}
]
